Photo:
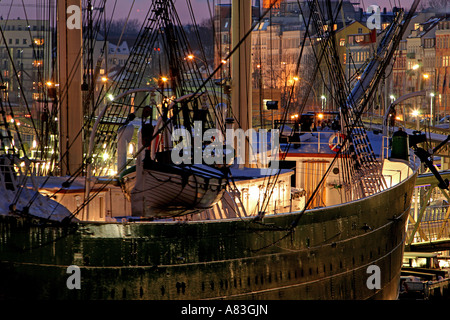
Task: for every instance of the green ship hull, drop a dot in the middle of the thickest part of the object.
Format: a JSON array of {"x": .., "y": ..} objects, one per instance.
[{"x": 328, "y": 255}]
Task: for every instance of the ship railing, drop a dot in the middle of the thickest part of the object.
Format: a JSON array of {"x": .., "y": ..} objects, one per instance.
[
  {"x": 282, "y": 206},
  {"x": 385, "y": 147},
  {"x": 23, "y": 171},
  {"x": 310, "y": 140}
]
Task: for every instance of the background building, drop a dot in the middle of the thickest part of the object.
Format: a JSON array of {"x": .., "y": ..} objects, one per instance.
[{"x": 25, "y": 60}]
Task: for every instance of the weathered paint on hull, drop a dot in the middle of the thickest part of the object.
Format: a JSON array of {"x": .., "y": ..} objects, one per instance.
[{"x": 326, "y": 257}]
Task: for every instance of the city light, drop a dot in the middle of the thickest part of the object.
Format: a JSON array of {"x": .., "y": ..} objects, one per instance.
[
  {"x": 296, "y": 78},
  {"x": 104, "y": 79},
  {"x": 130, "y": 149},
  {"x": 415, "y": 67},
  {"x": 324, "y": 99},
  {"x": 426, "y": 75},
  {"x": 415, "y": 113}
]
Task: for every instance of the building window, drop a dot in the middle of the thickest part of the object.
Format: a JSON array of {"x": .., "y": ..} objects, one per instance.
[
  {"x": 17, "y": 41},
  {"x": 38, "y": 41},
  {"x": 342, "y": 42},
  {"x": 446, "y": 61},
  {"x": 359, "y": 39},
  {"x": 359, "y": 30},
  {"x": 24, "y": 41}
]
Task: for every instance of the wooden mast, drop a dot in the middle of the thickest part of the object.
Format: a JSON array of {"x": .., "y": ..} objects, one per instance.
[
  {"x": 241, "y": 77},
  {"x": 70, "y": 79}
]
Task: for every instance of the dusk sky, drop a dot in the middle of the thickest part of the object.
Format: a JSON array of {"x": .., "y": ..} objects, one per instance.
[
  {"x": 202, "y": 12},
  {"x": 140, "y": 7}
]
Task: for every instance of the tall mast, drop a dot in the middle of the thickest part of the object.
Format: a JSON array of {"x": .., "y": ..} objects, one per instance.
[
  {"x": 241, "y": 88},
  {"x": 70, "y": 79}
]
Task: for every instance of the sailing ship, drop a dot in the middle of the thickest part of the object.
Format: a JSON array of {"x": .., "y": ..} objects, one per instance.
[{"x": 296, "y": 248}]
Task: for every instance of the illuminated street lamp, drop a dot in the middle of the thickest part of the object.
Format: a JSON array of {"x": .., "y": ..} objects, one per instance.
[
  {"x": 392, "y": 97},
  {"x": 192, "y": 58},
  {"x": 324, "y": 100}
]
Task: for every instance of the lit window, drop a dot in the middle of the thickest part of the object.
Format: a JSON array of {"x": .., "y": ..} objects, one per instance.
[
  {"x": 359, "y": 39},
  {"x": 38, "y": 41}
]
